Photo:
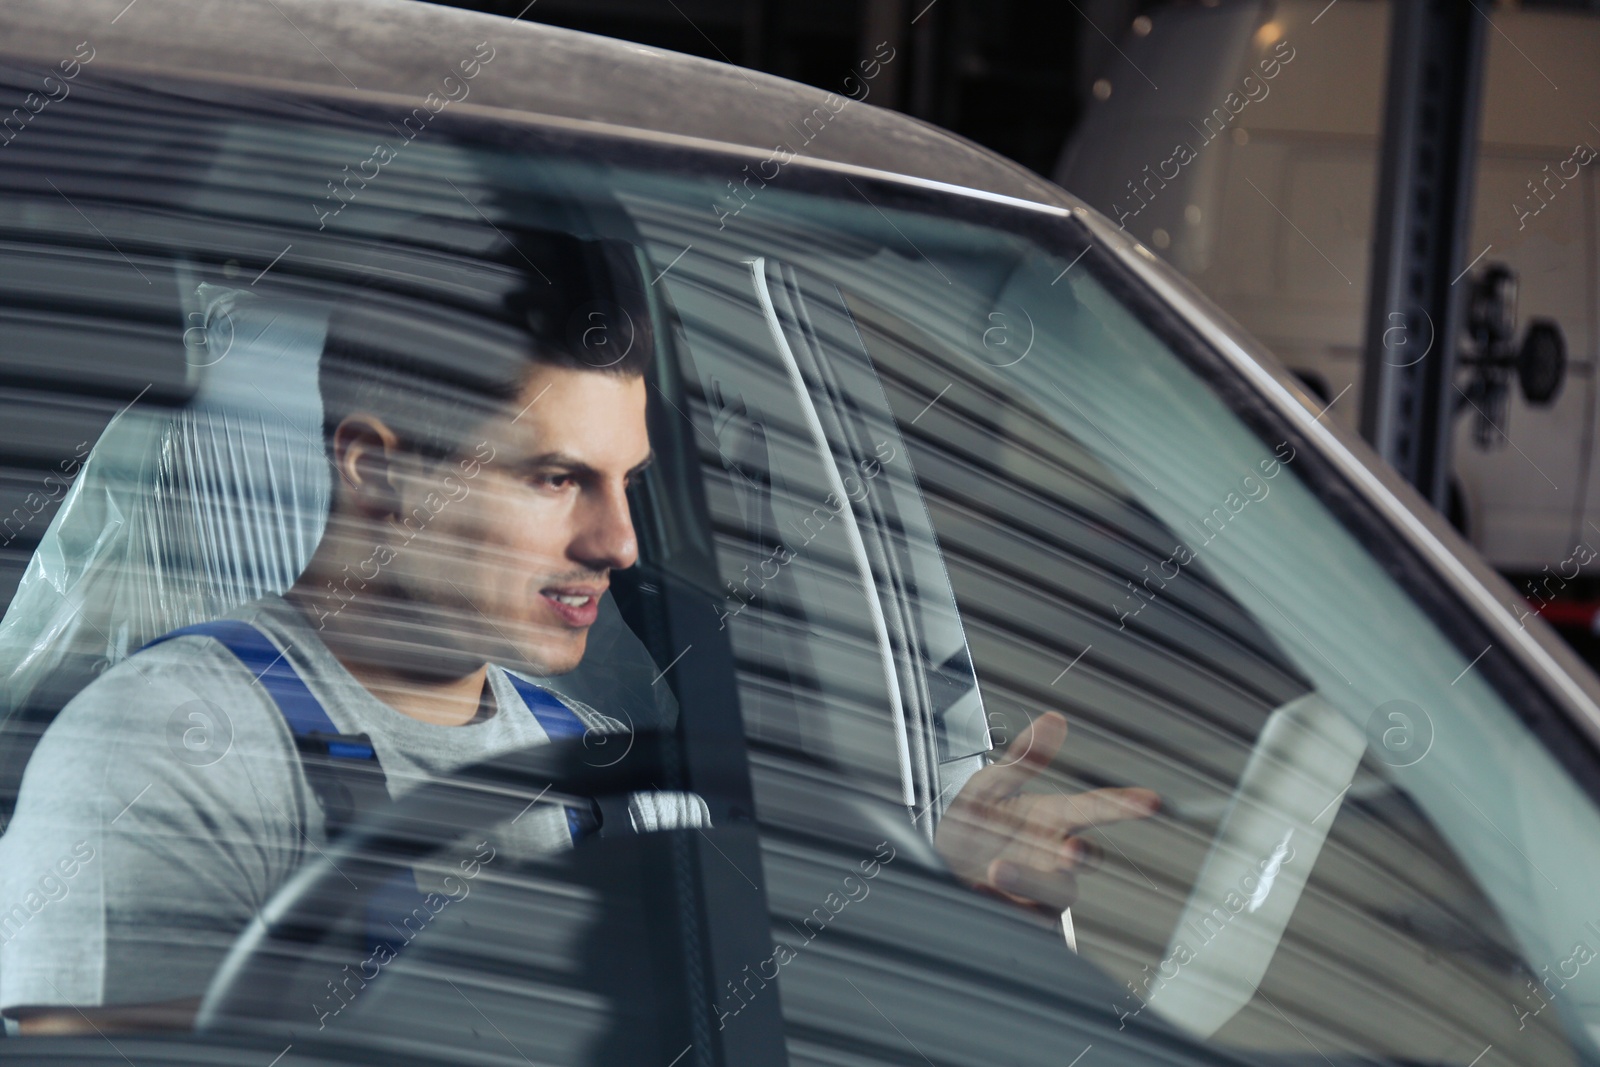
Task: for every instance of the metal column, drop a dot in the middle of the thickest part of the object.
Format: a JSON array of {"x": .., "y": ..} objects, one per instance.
[{"x": 1423, "y": 214}]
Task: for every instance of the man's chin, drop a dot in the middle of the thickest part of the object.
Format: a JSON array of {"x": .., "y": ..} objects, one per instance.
[{"x": 556, "y": 657}]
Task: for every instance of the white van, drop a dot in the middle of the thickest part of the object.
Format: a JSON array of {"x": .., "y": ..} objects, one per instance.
[{"x": 1269, "y": 211}]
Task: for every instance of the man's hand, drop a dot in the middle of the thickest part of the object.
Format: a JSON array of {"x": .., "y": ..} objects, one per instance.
[
  {"x": 1021, "y": 845},
  {"x": 120, "y": 1018}
]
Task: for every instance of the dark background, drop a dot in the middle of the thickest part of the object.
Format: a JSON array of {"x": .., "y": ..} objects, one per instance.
[{"x": 1013, "y": 75}]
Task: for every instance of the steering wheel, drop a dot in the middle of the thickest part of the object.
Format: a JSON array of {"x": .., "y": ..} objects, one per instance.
[{"x": 320, "y": 899}]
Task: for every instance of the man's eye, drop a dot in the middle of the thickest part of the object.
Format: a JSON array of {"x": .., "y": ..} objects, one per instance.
[{"x": 552, "y": 481}]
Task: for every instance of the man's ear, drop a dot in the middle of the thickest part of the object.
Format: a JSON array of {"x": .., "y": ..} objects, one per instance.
[{"x": 367, "y": 454}]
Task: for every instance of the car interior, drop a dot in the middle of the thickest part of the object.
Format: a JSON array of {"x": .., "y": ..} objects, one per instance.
[{"x": 919, "y": 481}]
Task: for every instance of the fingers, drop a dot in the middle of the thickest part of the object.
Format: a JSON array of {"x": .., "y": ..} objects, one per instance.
[
  {"x": 1049, "y": 889},
  {"x": 1096, "y": 807},
  {"x": 1024, "y": 758},
  {"x": 1081, "y": 854},
  {"x": 1056, "y": 889}
]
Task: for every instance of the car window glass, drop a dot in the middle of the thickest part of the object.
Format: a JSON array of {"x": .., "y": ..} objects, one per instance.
[
  {"x": 1182, "y": 678},
  {"x": 1123, "y": 549},
  {"x": 935, "y": 447}
]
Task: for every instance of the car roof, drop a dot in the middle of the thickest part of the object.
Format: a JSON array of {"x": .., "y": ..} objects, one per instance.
[{"x": 404, "y": 48}]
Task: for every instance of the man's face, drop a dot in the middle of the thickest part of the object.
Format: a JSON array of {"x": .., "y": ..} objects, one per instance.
[{"x": 516, "y": 537}]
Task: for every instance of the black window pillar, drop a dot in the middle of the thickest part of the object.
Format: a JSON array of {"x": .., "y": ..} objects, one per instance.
[{"x": 1423, "y": 216}]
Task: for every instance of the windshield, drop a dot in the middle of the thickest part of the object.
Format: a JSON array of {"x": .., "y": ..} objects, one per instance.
[{"x": 690, "y": 607}]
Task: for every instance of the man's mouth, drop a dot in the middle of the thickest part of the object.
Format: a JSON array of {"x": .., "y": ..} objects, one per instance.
[{"x": 577, "y": 606}]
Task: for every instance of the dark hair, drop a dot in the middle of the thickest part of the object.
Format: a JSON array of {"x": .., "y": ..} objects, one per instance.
[{"x": 434, "y": 344}]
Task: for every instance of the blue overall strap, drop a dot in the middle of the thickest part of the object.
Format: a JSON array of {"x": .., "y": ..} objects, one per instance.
[
  {"x": 343, "y": 770},
  {"x": 314, "y": 731},
  {"x": 559, "y": 721},
  {"x": 302, "y": 711},
  {"x": 393, "y": 908}
]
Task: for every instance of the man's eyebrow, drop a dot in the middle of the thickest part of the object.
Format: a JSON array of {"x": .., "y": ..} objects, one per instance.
[
  {"x": 563, "y": 459},
  {"x": 552, "y": 459}
]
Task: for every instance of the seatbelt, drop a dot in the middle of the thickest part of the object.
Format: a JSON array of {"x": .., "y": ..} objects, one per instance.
[{"x": 343, "y": 769}]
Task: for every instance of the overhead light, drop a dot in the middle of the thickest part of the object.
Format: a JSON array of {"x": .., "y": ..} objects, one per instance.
[{"x": 1269, "y": 34}]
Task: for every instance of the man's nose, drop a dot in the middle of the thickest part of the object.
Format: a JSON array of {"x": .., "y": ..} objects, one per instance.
[{"x": 606, "y": 539}]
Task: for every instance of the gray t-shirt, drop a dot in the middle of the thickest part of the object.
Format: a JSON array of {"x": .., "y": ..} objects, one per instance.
[{"x": 167, "y": 803}]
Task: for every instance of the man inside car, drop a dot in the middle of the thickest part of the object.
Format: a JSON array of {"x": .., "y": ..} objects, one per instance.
[{"x": 479, "y": 507}]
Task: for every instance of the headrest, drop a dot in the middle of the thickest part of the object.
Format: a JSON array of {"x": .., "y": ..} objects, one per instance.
[{"x": 178, "y": 517}]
